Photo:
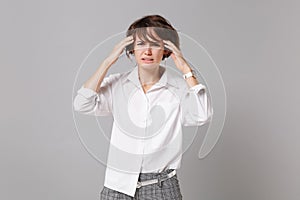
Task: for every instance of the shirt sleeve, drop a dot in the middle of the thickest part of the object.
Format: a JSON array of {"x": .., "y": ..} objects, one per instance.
[
  {"x": 196, "y": 107},
  {"x": 89, "y": 102}
]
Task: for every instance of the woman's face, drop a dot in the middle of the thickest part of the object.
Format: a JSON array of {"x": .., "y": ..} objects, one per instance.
[{"x": 148, "y": 53}]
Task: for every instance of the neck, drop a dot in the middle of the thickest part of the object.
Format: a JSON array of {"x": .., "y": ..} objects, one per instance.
[{"x": 149, "y": 76}]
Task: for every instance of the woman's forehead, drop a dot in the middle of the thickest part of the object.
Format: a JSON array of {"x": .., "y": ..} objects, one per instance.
[
  {"x": 147, "y": 34},
  {"x": 148, "y": 39}
]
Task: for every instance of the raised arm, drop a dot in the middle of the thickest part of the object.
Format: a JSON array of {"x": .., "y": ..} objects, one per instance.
[
  {"x": 95, "y": 81},
  {"x": 94, "y": 97}
]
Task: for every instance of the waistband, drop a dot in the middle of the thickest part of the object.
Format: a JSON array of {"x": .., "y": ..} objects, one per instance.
[{"x": 149, "y": 176}]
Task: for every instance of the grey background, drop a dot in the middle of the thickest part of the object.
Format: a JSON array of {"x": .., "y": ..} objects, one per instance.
[{"x": 255, "y": 44}]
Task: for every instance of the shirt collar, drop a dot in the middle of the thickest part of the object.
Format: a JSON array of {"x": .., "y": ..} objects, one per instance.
[{"x": 166, "y": 78}]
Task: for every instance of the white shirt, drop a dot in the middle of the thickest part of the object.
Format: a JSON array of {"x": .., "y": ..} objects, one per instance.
[{"x": 147, "y": 129}]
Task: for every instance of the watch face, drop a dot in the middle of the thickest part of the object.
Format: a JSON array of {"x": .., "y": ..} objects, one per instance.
[{"x": 187, "y": 75}]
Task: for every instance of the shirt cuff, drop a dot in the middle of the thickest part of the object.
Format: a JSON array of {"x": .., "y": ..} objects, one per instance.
[
  {"x": 197, "y": 88},
  {"x": 86, "y": 92}
]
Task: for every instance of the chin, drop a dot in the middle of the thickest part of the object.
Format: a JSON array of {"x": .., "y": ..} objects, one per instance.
[{"x": 149, "y": 65}]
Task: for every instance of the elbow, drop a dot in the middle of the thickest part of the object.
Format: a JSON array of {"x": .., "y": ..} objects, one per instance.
[
  {"x": 204, "y": 118},
  {"x": 196, "y": 120},
  {"x": 76, "y": 105},
  {"x": 81, "y": 105},
  {"x": 208, "y": 116}
]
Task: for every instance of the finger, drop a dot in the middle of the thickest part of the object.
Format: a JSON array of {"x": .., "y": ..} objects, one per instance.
[
  {"x": 125, "y": 42},
  {"x": 127, "y": 39},
  {"x": 168, "y": 46},
  {"x": 128, "y": 42},
  {"x": 175, "y": 51},
  {"x": 130, "y": 39},
  {"x": 172, "y": 46}
]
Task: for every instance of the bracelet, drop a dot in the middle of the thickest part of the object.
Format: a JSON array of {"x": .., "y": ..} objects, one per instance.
[{"x": 187, "y": 75}]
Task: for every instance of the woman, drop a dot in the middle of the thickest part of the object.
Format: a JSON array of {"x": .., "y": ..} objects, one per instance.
[{"x": 149, "y": 105}]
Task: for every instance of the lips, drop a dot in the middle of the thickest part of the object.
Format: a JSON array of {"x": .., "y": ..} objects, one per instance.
[{"x": 147, "y": 60}]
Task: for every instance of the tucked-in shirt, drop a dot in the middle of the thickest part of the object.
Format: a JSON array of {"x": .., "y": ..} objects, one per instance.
[{"x": 146, "y": 134}]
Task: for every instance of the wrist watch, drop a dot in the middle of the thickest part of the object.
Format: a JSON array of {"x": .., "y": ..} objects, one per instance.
[{"x": 187, "y": 75}]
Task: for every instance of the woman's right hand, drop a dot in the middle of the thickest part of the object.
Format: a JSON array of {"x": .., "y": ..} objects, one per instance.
[{"x": 118, "y": 49}]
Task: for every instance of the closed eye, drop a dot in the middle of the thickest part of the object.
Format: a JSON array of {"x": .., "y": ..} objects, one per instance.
[
  {"x": 152, "y": 44},
  {"x": 155, "y": 44},
  {"x": 140, "y": 43}
]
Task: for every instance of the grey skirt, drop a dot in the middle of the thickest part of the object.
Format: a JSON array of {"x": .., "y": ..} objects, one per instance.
[{"x": 168, "y": 190}]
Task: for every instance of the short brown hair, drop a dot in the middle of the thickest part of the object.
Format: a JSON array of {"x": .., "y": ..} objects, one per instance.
[{"x": 159, "y": 25}]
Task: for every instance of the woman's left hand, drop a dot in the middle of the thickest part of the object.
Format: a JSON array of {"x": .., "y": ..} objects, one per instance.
[{"x": 177, "y": 56}]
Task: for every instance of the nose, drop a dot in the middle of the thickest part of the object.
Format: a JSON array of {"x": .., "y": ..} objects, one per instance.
[{"x": 148, "y": 50}]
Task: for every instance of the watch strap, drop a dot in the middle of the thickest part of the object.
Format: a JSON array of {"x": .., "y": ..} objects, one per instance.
[{"x": 187, "y": 75}]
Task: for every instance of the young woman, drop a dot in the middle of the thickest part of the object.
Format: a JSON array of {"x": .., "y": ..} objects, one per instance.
[{"x": 149, "y": 105}]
